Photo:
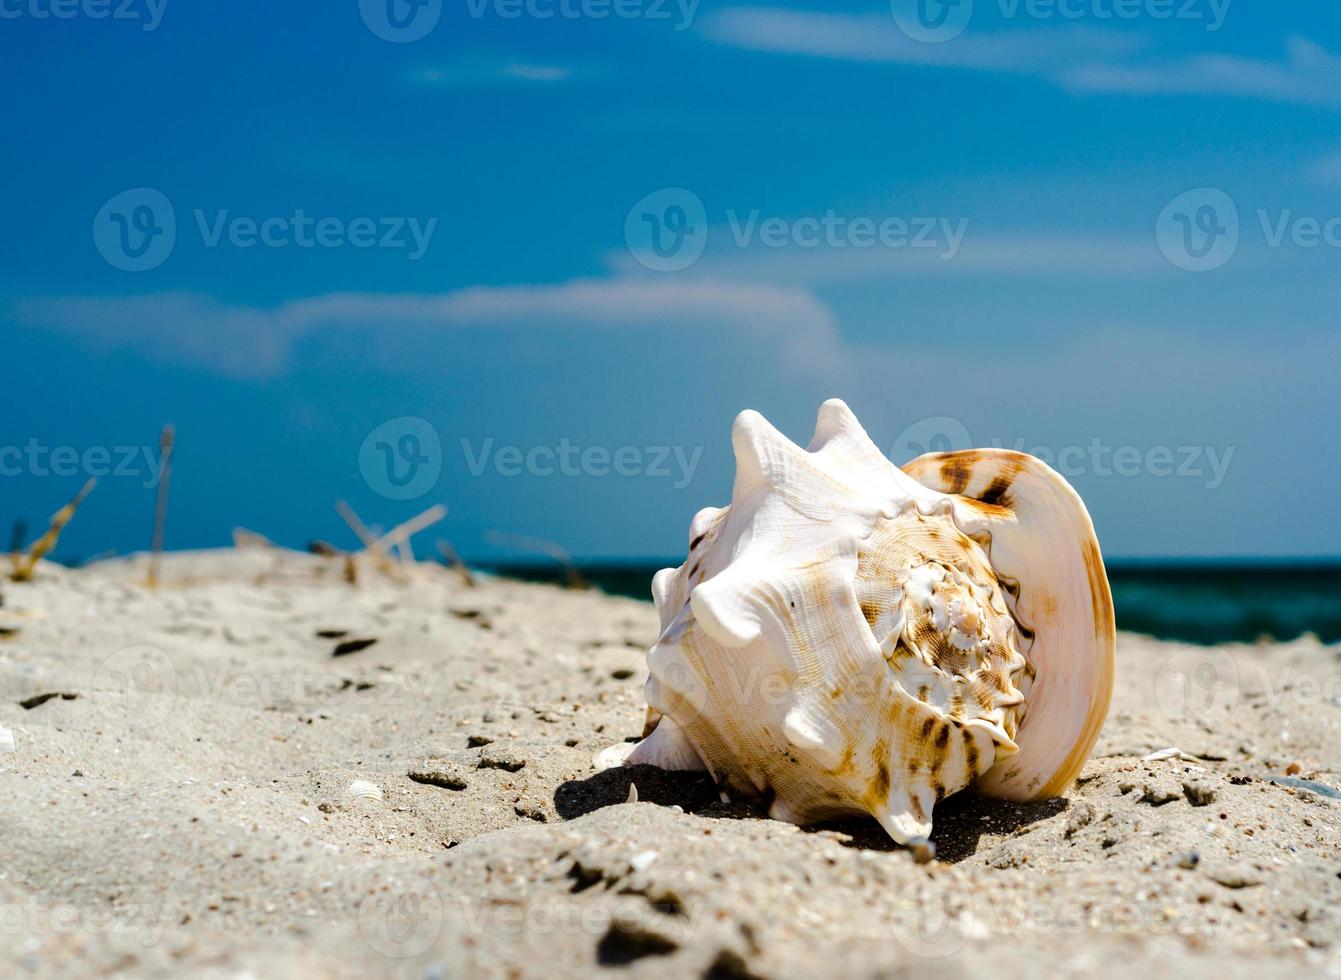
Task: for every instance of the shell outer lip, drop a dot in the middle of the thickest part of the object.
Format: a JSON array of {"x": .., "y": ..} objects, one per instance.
[{"x": 1042, "y": 537}]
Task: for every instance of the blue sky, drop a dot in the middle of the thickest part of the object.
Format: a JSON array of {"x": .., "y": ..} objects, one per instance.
[{"x": 987, "y": 238}]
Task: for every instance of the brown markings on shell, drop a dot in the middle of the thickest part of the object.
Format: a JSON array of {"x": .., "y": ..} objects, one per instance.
[
  {"x": 955, "y": 708},
  {"x": 651, "y": 721},
  {"x": 871, "y": 612},
  {"x": 1101, "y": 600},
  {"x": 845, "y": 764},
  {"x": 915, "y": 804},
  {"x": 984, "y": 695},
  {"x": 878, "y": 789},
  {"x": 997, "y": 493},
  {"x": 956, "y": 472},
  {"x": 970, "y": 752}
]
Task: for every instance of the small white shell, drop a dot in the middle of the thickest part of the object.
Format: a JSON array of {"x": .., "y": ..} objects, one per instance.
[
  {"x": 848, "y": 637},
  {"x": 361, "y": 789},
  {"x": 6, "y": 741}
]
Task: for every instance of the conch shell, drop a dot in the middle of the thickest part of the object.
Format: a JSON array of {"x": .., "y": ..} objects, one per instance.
[{"x": 851, "y": 638}]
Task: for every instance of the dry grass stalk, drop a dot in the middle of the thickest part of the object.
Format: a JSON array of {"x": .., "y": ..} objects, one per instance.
[
  {"x": 397, "y": 539},
  {"x": 23, "y": 569},
  {"x": 572, "y": 575},
  {"x": 368, "y": 539},
  {"x": 450, "y": 557},
  {"x": 161, "y": 505}
]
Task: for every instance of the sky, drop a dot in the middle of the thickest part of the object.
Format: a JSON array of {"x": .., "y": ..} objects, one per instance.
[{"x": 529, "y": 258}]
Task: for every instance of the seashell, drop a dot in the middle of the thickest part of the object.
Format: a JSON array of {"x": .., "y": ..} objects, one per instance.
[
  {"x": 361, "y": 789},
  {"x": 848, "y": 637},
  {"x": 6, "y": 741}
]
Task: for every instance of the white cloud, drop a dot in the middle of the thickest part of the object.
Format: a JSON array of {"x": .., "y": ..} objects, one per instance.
[
  {"x": 479, "y": 72},
  {"x": 1325, "y": 171},
  {"x": 253, "y": 341},
  {"x": 1308, "y": 74},
  {"x": 1075, "y": 57},
  {"x": 876, "y": 38},
  {"x": 1042, "y": 254}
]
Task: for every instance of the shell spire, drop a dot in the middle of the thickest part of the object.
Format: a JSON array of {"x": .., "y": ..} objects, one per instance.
[{"x": 847, "y": 637}]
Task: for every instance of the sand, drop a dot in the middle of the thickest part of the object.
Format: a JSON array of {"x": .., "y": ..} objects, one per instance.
[{"x": 211, "y": 791}]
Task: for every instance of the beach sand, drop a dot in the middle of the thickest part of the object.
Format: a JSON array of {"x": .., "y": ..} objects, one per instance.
[{"x": 183, "y": 804}]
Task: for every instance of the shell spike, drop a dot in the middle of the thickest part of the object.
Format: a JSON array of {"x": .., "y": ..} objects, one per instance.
[
  {"x": 723, "y": 608},
  {"x": 836, "y": 421},
  {"x": 763, "y": 454},
  {"x": 666, "y": 748},
  {"x": 906, "y": 815}
]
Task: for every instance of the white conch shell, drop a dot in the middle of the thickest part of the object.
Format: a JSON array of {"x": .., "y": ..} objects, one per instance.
[{"x": 848, "y": 637}]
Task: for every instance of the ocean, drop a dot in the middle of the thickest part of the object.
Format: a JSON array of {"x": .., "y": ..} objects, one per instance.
[{"x": 1196, "y": 602}]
